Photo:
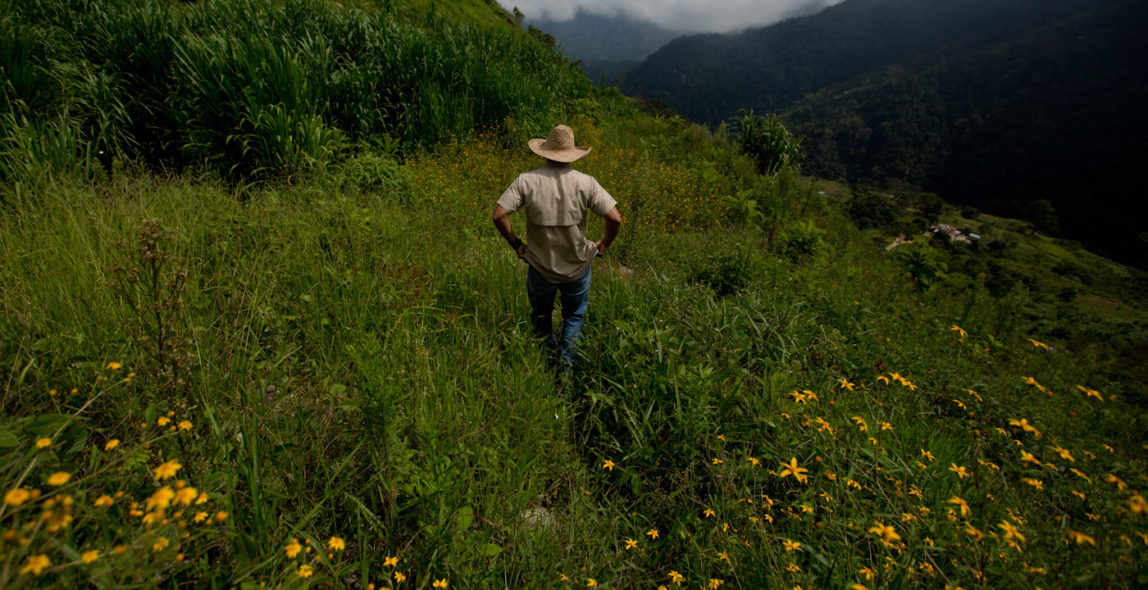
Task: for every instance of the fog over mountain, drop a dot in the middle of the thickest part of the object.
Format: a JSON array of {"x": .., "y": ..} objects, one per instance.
[{"x": 701, "y": 16}]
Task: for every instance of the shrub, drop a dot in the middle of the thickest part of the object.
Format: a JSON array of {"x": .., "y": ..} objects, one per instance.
[
  {"x": 768, "y": 142},
  {"x": 801, "y": 241}
]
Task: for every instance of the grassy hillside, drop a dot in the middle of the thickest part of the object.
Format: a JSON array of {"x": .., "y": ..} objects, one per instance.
[{"x": 327, "y": 379}]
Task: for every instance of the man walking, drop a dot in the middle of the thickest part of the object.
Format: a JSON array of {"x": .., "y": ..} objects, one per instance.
[{"x": 555, "y": 198}]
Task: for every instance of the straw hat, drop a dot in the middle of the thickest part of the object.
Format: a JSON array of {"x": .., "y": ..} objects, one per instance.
[{"x": 558, "y": 146}]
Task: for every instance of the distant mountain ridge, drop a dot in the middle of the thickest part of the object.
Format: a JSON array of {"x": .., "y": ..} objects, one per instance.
[
  {"x": 994, "y": 104},
  {"x": 594, "y": 37}
]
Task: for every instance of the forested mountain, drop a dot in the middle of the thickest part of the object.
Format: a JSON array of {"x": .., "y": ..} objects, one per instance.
[{"x": 995, "y": 104}]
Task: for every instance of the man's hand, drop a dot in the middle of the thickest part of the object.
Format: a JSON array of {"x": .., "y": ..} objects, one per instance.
[
  {"x": 613, "y": 222},
  {"x": 521, "y": 250}
]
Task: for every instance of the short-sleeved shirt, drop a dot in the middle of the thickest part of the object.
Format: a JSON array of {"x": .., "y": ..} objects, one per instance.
[{"x": 555, "y": 198}]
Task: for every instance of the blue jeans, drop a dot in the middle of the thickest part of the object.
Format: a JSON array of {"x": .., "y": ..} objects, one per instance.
[{"x": 575, "y": 299}]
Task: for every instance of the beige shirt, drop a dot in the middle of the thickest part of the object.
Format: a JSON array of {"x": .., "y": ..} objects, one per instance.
[{"x": 555, "y": 198}]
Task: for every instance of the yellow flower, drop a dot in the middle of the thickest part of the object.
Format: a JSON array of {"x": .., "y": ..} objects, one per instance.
[
  {"x": 609, "y": 465},
  {"x": 185, "y": 496},
  {"x": 1137, "y": 504},
  {"x": 1010, "y": 530},
  {"x": 887, "y": 533},
  {"x": 399, "y": 577},
  {"x": 959, "y": 330},
  {"x": 111, "y": 444},
  {"x": 715, "y": 583},
  {"x": 1064, "y": 454},
  {"x": 709, "y": 513},
  {"x": 717, "y": 461},
  {"x": 167, "y": 469},
  {"x": 184, "y": 425},
  {"x": 652, "y": 533},
  {"x": 959, "y": 470},
  {"x": 113, "y": 365},
  {"x": 791, "y": 468},
  {"x": 90, "y": 556},
  {"x": 676, "y": 577},
  {"x": 59, "y": 478},
  {"x": 36, "y": 564},
  {"x": 304, "y": 571},
  {"x": 200, "y": 517},
  {"x": 1028, "y": 457},
  {"x": 163, "y": 421},
  {"x": 630, "y": 544},
  {"x": 336, "y": 544},
  {"x": 390, "y": 562},
  {"x": 590, "y": 582},
  {"x": 1081, "y": 538},
  {"x": 927, "y": 455},
  {"x": 43, "y": 443},
  {"x": 961, "y": 503},
  {"x": 858, "y": 587},
  {"x": 846, "y": 384},
  {"x": 104, "y": 501},
  {"x": 17, "y": 496},
  {"x": 160, "y": 544},
  {"x": 293, "y": 548},
  {"x": 1037, "y": 343},
  {"x": 1036, "y": 483},
  {"x": 1090, "y": 392},
  {"x": 221, "y": 516},
  {"x": 791, "y": 545}
]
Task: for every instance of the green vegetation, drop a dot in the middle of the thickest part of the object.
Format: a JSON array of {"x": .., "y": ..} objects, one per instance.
[{"x": 326, "y": 377}]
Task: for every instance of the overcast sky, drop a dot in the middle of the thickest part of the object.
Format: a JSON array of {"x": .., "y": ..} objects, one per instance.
[{"x": 681, "y": 15}]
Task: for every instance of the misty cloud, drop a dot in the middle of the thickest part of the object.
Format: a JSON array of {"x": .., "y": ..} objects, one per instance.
[{"x": 711, "y": 16}]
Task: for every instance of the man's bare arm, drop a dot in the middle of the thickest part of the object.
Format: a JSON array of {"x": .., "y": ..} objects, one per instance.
[
  {"x": 613, "y": 223},
  {"x": 502, "y": 223}
]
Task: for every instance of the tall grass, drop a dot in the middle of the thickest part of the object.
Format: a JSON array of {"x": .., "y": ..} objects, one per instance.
[{"x": 255, "y": 88}]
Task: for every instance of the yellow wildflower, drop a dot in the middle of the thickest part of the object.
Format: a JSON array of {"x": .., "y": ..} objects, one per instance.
[
  {"x": 652, "y": 533},
  {"x": 791, "y": 468},
  {"x": 167, "y": 469},
  {"x": 90, "y": 556},
  {"x": 399, "y": 577},
  {"x": 676, "y": 577},
  {"x": 184, "y": 425},
  {"x": 964, "y": 506},
  {"x": 293, "y": 548},
  {"x": 160, "y": 544},
  {"x": 221, "y": 516},
  {"x": 17, "y": 496},
  {"x": 36, "y": 564},
  {"x": 304, "y": 571},
  {"x": 630, "y": 544},
  {"x": 1081, "y": 538},
  {"x": 59, "y": 478},
  {"x": 390, "y": 561},
  {"x": 113, "y": 366},
  {"x": 791, "y": 545},
  {"x": 111, "y": 444},
  {"x": 1010, "y": 531},
  {"x": 43, "y": 443},
  {"x": 442, "y": 583},
  {"x": 608, "y": 465},
  {"x": 961, "y": 471}
]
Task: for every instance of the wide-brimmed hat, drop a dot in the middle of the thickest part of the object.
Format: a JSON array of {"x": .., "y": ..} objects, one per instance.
[{"x": 558, "y": 146}]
